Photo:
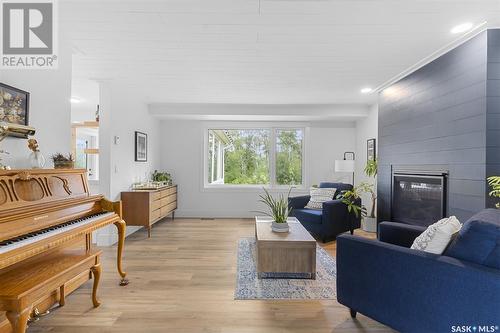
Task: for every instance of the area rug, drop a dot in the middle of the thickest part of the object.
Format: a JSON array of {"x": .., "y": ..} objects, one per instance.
[{"x": 249, "y": 286}]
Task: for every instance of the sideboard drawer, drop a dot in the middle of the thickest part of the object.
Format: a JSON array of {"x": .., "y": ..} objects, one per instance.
[
  {"x": 171, "y": 198},
  {"x": 154, "y": 215},
  {"x": 171, "y": 190},
  {"x": 155, "y": 205},
  {"x": 168, "y": 209},
  {"x": 155, "y": 195}
]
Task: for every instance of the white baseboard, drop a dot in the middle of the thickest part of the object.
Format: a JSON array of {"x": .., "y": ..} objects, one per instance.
[{"x": 237, "y": 214}]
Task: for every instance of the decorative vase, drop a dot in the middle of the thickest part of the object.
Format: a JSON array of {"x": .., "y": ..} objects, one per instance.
[
  {"x": 64, "y": 164},
  {"x": 280, "y": 227},
  {"x": 37, "y": 160},
  {"x": 369, "y": 224}
]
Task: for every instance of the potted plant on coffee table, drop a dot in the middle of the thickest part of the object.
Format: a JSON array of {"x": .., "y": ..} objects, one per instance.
[{"x": 278, "y": 210}]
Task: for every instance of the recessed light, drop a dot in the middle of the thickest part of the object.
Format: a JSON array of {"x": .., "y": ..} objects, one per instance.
[
  {"x": 75, "y": 100},
  {"x": 462, "y": 28},
  {"x": 366, "y": 90}
]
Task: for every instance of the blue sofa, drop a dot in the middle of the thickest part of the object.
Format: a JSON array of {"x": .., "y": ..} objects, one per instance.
[
  {"x": 325, "y": 224},
  {"x": 415, "y": 291}
]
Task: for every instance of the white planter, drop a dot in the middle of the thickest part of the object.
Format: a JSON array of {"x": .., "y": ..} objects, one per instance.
[
  {"x": 369, "y": 224},
  {"x": 279, "y": 227}
]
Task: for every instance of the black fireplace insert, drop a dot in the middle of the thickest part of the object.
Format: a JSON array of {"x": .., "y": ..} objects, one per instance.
[{"x": 418, "y": 198}]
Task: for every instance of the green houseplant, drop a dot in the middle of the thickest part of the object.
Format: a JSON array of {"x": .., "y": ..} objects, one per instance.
[
  {"x": 371, "y": 168},
  {"x": 349, "y": 197},
  {"x": 366, "y": 187},
  {"x": 278, "y": 210},
  {"x": 494, "y": 182},
  {"x": 163, "y": 177},
  {"x": 370, "y": 221}
]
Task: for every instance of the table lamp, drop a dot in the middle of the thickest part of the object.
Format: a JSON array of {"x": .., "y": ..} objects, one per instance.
[{"x": 345, "y": 165}]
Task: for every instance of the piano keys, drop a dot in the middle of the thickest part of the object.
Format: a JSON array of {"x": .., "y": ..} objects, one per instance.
[
  {"x": 44, "y": 214},
  {"x": 46, "y": 233}
]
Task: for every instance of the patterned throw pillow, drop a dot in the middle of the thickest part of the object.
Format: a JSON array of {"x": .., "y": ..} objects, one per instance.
[
  {"x": 320, "y": 195},
  {"x": 437, "y": 236}
]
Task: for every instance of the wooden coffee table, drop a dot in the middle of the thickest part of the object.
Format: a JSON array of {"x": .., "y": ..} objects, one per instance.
[{"x": 292, "y": 252}]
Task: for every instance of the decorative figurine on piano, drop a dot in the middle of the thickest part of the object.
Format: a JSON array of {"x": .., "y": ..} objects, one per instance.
[{"x": 37, "y": 160}]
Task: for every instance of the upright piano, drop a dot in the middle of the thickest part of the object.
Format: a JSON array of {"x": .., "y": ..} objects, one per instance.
[{"x": 47, "y": 217}]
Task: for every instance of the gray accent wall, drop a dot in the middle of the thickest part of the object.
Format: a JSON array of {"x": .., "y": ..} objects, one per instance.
[
  {"x": 493, "y": 109},
  {"x": 445, "y": 116}
]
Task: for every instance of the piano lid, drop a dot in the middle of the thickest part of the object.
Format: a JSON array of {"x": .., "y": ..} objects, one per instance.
[{"x": 30, "y": 189}]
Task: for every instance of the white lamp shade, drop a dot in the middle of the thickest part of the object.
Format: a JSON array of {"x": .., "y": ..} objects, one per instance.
[{"x": 344, "y": 165}]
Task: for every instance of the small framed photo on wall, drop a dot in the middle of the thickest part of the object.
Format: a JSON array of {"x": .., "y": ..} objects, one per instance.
[
  {"x": 141, "y": 147},
  {"x": 349, "y": 155},
  {"x": 371, "y": 150}
]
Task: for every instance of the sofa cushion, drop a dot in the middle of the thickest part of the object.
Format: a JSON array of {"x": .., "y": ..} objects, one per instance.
[
  {"x": 437, "y": 236},
  {"x": 339, "y": 186},
  {"x": 479, "y": 240},
  {"x": 308, "y": 215},
  {"x": 318, "y": 196}
]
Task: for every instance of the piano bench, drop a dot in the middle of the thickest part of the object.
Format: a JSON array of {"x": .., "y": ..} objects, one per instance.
[{"x": 25, "y": 284}]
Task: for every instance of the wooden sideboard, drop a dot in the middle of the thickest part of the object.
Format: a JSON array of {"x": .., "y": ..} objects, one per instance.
[{"x": 146, "y": 207}]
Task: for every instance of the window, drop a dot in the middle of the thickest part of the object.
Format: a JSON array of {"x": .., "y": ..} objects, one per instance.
[
  {"x": 265, "y": 156},
  {"x": 289, "y": 156}
]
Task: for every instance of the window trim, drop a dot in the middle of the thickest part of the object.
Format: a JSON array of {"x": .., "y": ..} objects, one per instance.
[{"x": 273, "y": 128}]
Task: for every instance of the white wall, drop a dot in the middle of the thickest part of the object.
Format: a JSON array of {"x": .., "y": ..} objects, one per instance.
[
  {"x": 122, "y": 113},
  {"x": 182, "y": 156},
  {"x": 366, "y": 128},
  {"x": 87, "y": 91},
  {"x": 49, "y": 112}
]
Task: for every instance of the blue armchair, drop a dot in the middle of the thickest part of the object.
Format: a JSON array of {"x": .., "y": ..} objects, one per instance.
[
  {"x": 325, "y": 224},
  {"x": 416, "y": 291}
]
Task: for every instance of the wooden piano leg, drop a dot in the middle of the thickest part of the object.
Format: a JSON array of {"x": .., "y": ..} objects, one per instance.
[
  {"x": 19, "y": 320},
  {"x": 96, "y": 272},
  {"x": 121, "y": 226}
]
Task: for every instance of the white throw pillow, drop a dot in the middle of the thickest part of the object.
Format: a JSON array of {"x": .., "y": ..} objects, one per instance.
[
  {"x": 437, "y": 236},
  {"x": 320, "y": 195}
]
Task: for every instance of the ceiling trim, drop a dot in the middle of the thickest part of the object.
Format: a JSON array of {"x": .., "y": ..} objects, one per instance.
[
  {"x": 253, "y": 112},
  {"x": 433, "y": 56}
]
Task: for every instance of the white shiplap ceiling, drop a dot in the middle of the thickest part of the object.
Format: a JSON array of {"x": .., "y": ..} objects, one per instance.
[{"x": 259, "y": 52}]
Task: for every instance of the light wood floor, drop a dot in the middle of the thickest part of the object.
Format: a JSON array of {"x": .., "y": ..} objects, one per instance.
[{"x": 182, "y": 280}]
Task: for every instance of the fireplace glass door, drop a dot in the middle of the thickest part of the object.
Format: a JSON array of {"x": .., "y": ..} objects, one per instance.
[{"x": 418, "y": 199}]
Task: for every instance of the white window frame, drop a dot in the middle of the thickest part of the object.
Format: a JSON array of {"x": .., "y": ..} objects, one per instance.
[
  {"x": 273, "y": 128},
  {"x": 220, "y": 166}
]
